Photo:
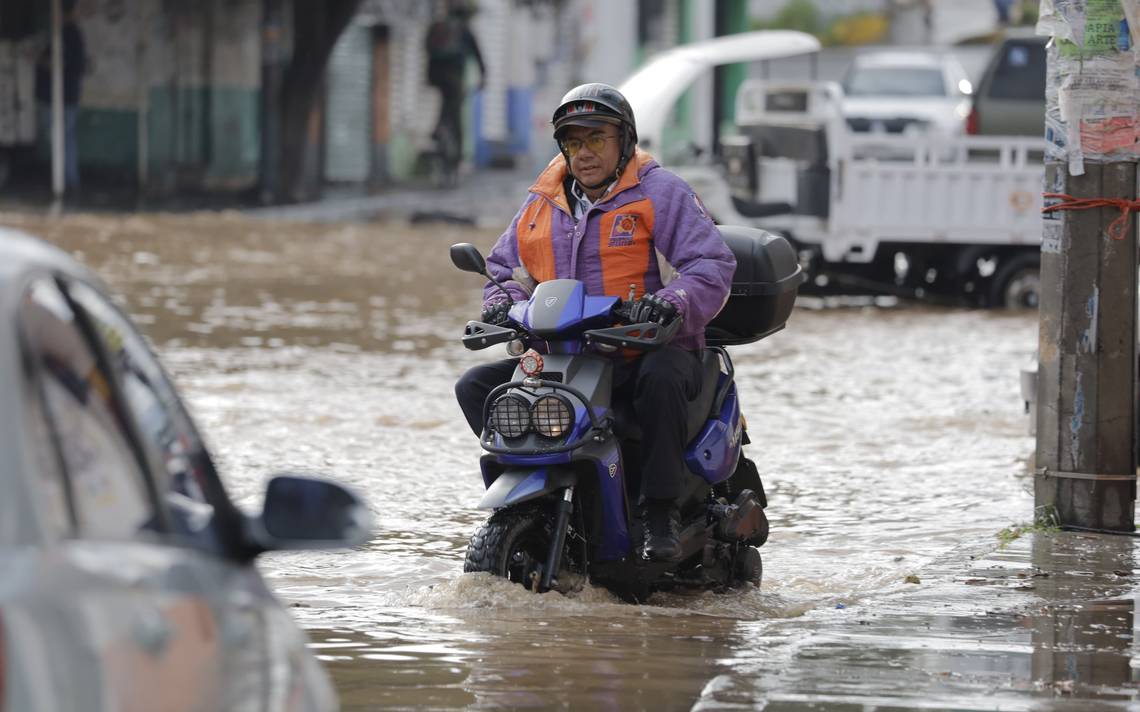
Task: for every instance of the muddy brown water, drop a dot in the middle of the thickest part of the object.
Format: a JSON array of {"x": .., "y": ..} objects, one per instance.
[{"x": 891, "y": 440}]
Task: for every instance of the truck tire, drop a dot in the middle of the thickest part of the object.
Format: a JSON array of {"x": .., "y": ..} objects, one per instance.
[{"x": 1017, "y": 282}]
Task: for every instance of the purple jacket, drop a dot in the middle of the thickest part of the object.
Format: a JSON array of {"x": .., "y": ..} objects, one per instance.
[{"x": 651, "y": 234}]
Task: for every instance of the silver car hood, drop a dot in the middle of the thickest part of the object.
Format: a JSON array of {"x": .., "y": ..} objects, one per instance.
[{"x": 940, "y": 111}]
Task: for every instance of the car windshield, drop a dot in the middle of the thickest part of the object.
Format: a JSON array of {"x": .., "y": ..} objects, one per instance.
[
  {"x": 893, "y": 81},
  {"x": 1020, "y": 73}
]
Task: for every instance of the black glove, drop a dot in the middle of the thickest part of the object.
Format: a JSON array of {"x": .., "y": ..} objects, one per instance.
[
  {"x": 652, "y": 308},
  {"x": 495, "y": 314}
]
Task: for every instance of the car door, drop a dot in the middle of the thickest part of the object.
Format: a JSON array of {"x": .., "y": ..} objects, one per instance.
[
  {"x": 125, "y": 621},
  {"x": 205, "y": 528}
]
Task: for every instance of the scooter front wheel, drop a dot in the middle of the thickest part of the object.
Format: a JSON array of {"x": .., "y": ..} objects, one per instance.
[{"x": 513, "y": 543}]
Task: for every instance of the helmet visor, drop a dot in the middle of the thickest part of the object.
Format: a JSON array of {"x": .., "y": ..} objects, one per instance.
[{"x": 590, "y": 121}]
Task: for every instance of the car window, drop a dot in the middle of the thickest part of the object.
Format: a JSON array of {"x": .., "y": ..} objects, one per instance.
[
  {"x": 187, "y": 473},
  {"x": 894, "y": 81},
  {"x": 105, "y": 482},
  {"x": 1019, "y": 72},
  {"x": 51, "y": 482}
]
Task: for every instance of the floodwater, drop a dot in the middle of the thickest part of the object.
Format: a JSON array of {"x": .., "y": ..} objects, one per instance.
[{"x": 891, "y": 440}]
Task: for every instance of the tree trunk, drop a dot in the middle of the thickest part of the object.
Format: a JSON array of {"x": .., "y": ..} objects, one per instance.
[{"x": 316, "y": 26}]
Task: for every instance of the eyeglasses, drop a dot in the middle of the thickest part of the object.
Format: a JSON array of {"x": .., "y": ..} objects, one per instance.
[{"x": 595, "y": 142}]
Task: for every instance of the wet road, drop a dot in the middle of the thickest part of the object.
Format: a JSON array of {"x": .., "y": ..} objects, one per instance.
[{"x": 891, "y": 441}]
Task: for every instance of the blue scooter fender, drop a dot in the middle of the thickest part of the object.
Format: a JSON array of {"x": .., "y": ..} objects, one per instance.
[{"x": 515, "y": 486}]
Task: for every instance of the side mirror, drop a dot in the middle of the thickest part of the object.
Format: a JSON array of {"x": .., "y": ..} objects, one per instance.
[
  {"x": 307, "y": 513},
  {"x": 466, "y": 257}
]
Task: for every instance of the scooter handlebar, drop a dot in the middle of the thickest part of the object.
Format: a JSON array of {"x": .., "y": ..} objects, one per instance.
[
  {"x": 645, "y": 336},
  {"x": 479, "y": 335}
]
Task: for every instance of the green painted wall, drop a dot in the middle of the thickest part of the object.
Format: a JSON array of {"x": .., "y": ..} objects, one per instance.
[
  {"x": 215, "y": 131},
  {"x": 175, "y": 123},
  {"x": 236, "y": 134},
  {"x": 679, "y": 129},
  {"x": 107, "y": 138},
  {"x": 402, "y": 156},
  {"x": 736, "y": 20}
]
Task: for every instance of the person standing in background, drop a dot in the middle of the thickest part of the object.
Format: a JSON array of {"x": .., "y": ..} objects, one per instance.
[
  {"x": 449, "y": 44},
  {"x": 1003, "y": 8},
  {"x": 74, "y": 67}
]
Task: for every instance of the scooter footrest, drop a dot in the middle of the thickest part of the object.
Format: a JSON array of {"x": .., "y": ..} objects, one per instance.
[{"x": 744, "y": 520}]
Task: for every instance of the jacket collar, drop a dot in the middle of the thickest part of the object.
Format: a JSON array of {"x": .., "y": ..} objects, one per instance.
[{"x": 550, "y": 181}]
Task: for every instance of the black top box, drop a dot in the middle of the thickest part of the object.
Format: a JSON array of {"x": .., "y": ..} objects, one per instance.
[{"x": 768, "y": 276}]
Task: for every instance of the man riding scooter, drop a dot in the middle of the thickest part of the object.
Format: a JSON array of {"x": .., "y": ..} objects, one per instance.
[{"x": 605, "y": 213}]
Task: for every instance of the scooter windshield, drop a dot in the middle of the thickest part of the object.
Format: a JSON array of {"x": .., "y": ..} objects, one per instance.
[{"x": 560, "y": 307}]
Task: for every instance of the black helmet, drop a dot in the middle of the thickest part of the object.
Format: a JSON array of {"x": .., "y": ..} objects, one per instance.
[{"x": 591, "y": 105}]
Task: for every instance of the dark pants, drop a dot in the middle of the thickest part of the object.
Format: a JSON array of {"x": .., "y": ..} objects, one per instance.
[
  {"x": 660, "y": 384},
  {"x": 451, "y": 92},
  {"x": 1003, "y": 7}
]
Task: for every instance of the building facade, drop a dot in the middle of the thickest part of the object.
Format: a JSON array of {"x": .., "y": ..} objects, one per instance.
[{"x": 181, "y": 96}]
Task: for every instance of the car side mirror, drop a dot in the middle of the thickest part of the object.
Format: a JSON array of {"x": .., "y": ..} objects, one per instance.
[
  {"x": 466, "y": 257},
  {"x": 307, "y": 513}
]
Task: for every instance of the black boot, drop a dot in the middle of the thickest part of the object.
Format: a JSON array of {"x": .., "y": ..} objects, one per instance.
[{"x": 662, "y": 524}]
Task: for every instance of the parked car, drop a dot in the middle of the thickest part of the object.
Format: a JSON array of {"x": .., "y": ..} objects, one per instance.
[
  {"x": 1010, "y": 100},
  {"x": 861, "y": 225},
  {"x": 129, "y": 580},
  {"x": 906, "y": 92}
]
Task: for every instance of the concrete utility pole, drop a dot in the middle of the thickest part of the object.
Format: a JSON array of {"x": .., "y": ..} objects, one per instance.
[
  {"x": 142, "y": 98},
  {"x": 274, "y": 55},
  {"x": 57, "y": 147},
  {"x": 1087, "y": 373}
]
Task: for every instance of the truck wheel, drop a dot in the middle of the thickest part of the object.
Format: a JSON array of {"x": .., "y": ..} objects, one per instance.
[{"x": 1017, "y": 283}]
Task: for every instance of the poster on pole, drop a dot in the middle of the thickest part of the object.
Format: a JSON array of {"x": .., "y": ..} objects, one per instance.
[{"x": 1092, "y": 94}]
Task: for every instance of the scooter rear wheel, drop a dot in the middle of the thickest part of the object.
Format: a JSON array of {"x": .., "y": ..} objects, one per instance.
[
  {"x": 750, "y": 566},
  {"x": 513, "y": 543}
]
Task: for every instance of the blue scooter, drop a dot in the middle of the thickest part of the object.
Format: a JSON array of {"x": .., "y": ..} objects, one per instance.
[{"x": 560, "y": 462}]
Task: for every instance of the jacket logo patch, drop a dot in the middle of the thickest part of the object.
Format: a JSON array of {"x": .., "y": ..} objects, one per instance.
[{"x": 621, "y": 234}]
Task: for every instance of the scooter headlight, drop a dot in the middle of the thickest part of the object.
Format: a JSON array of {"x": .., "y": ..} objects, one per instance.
[
  {"x": 552, "y": 416},
  {"x": 510, "y": 417}
]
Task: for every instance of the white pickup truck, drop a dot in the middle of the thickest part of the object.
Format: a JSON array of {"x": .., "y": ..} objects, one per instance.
[{"x": 949, "y": 219}]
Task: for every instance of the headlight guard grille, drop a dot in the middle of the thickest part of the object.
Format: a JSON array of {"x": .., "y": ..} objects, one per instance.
[
  {"x": 510, "y": 416},
  {"x": 551, "y": 416}
]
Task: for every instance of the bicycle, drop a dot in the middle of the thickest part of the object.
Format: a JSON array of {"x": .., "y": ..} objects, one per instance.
[{"x": 444, "y": 165}]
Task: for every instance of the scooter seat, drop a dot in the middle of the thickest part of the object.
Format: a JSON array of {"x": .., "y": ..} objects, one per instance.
[{"x": 699, "y": 411}]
